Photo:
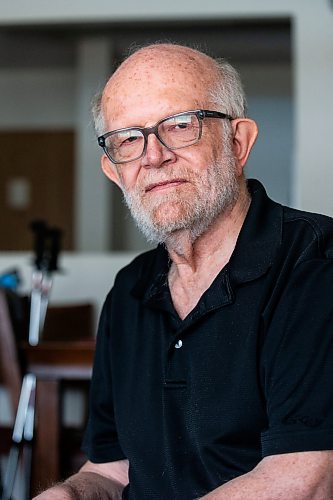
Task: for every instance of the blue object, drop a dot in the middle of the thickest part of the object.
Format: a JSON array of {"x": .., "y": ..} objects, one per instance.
[{"x": 10, "y": 280}]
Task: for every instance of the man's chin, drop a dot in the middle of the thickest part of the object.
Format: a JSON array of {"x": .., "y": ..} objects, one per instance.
[{"x": 168, "y": 214}]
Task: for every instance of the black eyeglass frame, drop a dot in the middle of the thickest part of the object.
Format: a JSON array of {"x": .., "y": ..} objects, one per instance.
[{"x": 146, "y": 131}]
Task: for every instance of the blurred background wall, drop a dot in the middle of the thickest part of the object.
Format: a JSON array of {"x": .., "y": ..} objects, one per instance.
[{"x": 54, "y": 56}]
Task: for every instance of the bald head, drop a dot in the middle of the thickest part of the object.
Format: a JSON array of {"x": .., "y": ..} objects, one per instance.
[
  {"x": 168, "y": 66},
  {"x": 169, "y": 59}
]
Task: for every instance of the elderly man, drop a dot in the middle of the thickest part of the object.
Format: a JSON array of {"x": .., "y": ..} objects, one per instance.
[{"x": 213, "y": 375}]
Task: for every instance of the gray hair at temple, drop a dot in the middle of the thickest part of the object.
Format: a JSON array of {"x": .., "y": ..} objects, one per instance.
[
  {"x": 226, "y": 93},
  {"x": 98, "y": 115}
]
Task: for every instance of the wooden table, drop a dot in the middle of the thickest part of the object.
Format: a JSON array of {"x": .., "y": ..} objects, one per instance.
[{"x": 53, "y": 362}]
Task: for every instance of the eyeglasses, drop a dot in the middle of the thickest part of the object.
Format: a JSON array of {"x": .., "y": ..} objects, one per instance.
[{"x": 174, "y": 132}]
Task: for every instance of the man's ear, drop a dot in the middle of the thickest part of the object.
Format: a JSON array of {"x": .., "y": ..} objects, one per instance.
[
  {"x": 245, "y": 133},
  {"x": 110, "y": 171}
]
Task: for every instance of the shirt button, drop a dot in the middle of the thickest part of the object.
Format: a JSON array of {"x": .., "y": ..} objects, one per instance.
[{"x": 179, "y": 344}]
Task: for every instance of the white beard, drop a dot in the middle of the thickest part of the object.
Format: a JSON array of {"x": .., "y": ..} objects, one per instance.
[{"x": 212, "y": 191}]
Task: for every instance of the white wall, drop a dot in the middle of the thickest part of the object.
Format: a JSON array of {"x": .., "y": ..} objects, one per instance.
[
  {"x": 269, "y": 90},
  {"x": 313, "y": 179},
  {"x": 82, "y": 277}
]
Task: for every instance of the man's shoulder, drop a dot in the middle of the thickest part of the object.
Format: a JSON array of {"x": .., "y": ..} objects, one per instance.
[
  {"x": 315, "y": 220},
  {"x": 310, "y": 227},
  {"x": 281, "y": 232}
]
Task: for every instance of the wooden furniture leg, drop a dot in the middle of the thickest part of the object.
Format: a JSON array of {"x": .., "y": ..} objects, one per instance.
[{"x": 46, "y": 461}]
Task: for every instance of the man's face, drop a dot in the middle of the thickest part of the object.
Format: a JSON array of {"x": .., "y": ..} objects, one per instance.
[{"x": 170, "y": 190}]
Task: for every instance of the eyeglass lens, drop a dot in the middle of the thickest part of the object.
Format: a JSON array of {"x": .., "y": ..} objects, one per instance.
[{"x": 175, "y": 132}]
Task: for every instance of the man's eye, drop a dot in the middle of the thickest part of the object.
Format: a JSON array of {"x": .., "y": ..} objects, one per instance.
[
  {"x": 178, "y": 127},
  {"x": 178, "y": 124},
  {"x": 126, "y": 140},
  {"x": 129, "y": 140},
  {"x": 182, "y": 125}
]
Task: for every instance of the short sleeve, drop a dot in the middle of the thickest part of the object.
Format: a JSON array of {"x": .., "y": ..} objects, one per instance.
[
  {"x": 100, "y": 441},
  {"x": 297, "y": 360}
]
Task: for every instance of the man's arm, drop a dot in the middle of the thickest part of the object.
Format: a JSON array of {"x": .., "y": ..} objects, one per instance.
[
  {"x": 298, "y": 476},
  {"x": 103, "y": 481}
]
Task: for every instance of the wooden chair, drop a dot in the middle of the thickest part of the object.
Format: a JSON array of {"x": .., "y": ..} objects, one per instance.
[{"x": 69, "y": 322}]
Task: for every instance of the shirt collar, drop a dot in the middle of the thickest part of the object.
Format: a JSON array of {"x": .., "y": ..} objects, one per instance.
[{"x": 260, "y": 237}]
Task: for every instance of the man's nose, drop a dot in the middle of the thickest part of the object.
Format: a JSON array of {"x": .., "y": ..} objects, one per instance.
[{"x": 156, "y": 154}]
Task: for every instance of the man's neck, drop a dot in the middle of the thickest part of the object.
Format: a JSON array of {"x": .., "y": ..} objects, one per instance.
[
  {"x": 217, "y": 242},
  {"x": 196, "y": 264}
]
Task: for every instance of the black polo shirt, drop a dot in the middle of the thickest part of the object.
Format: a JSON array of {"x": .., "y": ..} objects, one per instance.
[{"x": 195, "y": 403}]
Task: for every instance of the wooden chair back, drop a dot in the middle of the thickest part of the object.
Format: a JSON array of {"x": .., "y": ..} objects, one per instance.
[{"x": 69, "y": 322}]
